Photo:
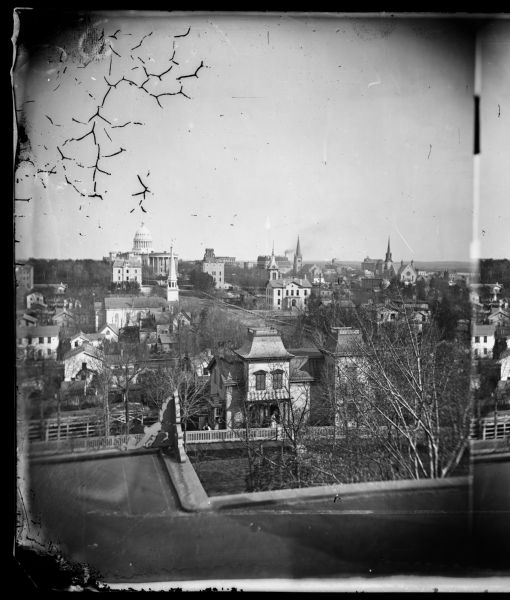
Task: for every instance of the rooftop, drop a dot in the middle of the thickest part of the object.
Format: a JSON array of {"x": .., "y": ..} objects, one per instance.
[
  {"x": 130, "y": 302},
  {"x": 263, "y": 343},
  {"x": 38, "y": 331},
  {"x": 479, "y": 329}
]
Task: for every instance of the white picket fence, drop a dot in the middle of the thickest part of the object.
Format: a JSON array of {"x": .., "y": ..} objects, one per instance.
[
  {"x": 491, "y": 428},
  {"x": 233, "y": 435}
]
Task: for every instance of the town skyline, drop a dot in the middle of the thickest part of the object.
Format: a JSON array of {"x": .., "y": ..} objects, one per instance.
[{"x": 342, "y": 131}]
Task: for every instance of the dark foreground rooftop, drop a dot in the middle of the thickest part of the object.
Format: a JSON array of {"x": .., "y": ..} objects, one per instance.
[{"x": 123, "y": 516}]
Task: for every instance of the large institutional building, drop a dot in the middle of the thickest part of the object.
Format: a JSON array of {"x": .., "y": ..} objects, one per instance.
[
  {"x": 143, "y": 253},
  {"x": 215, "y": 267},
  {"x": 285, "y": 293}
]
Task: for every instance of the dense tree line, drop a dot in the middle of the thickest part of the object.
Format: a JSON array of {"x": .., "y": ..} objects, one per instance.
[
  {"x": 492, "y": 271},
  {"x": 73, "y": 272}
]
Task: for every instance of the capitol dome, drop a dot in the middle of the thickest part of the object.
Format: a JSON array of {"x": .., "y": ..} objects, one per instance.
[{"x": 142, "y": 242}]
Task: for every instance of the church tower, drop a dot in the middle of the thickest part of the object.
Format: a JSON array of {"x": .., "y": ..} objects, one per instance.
[
  {"x": 172, "y": 289},
  {"x": 388, "y": 268},
  {"x": 274, "y": 271},
  {"x": 298, "y": 259}
]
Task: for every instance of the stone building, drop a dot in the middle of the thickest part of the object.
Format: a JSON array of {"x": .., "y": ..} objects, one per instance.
[
  {"x": 124, "y": 270},
  {"x": 24, "y": 276},
  {"x": 214, "y": 267}
]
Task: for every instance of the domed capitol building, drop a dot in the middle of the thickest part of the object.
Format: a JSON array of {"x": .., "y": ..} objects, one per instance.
[{"x": 143, "y": 252}]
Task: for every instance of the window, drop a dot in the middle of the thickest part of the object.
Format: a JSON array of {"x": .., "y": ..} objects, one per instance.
[
  {"x": 29, "y": 340},
  {"x": 48, "y": 340},
  {"x": 260, "y": 380},
  {"x": 485, "y": 350},
  {"x": 277, "y": 379},
  {"x": 76, "y": 344},
  {"x": 279, "y": 301},
  {"x": 49, "y": 351},
  {"x": 477, "y": 339},
  {"x": 306, "y": 292},
  {"x": 292, "y": 292},
  {"x": 287, "y": 293},
  {"x": 41, "y": 340},
  {"x": 485, "y": 339},
  {"x": 279, "y": 292}
]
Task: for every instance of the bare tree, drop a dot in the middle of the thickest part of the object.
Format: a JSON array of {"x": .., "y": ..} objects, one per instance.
[
  {"x": 410, "y": 390},
  {"x": 192, "y": 389}
]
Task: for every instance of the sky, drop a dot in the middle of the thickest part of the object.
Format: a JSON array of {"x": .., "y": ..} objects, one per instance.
[{"x": 343, "y": 131}]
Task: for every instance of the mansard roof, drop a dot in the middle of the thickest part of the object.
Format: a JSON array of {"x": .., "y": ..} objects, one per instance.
[{"x": 263, "y": 343}]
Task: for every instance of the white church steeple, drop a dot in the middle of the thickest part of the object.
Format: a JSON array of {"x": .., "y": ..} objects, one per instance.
[{"x": 172, "y": 289}]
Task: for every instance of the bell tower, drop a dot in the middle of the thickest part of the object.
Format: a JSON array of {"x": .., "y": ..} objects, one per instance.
[{"x": 274, "y": 271}]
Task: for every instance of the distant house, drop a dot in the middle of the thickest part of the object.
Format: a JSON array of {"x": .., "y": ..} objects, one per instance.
[
  {"x": 165, "y": 342},
  {"x": 35, "y": 298},
  {"x": 499, "y": 316},
  {"x": 38, "y": 342},
  {"x": 27, "y": 321},
  {"x": 78, "y": 340},
  {"x": 110, "y": 332},
  {"x": 129, "y": 310},
  {"x": 64, "y": 318},
  {"x": 482, "y": 340},
  {"x": 80, "y": 358},
  {"x": 182, "y": 319},
  {"x": 25, "y": 276}
]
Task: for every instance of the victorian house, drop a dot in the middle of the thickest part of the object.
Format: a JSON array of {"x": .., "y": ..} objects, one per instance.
[{"x": 261, "y": 384}]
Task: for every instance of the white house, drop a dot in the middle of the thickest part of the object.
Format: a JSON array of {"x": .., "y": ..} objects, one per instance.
[
  {"x": 35, "y": 298},
  {"x": 120, "y": 311},
  {"x": 80, "y": 358},
  {"x": 39, "y": 341},
  {"x": 504, "y": 361},
  {"x": 482, "y": 340}
]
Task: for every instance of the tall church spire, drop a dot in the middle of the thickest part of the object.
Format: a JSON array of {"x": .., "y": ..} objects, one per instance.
[
  {"x": 172, "y": 289},
  {"x": 298, "y": 259},
  {"x": 388, "y": 252}
]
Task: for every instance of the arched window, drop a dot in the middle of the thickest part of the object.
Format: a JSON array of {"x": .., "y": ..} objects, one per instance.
[
  {"x": 260, "y": 380},
  {"x": 277, "y": 379}
]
